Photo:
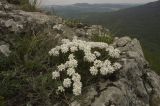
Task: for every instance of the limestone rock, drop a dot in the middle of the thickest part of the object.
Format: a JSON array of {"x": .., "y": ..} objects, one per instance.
[
  {"x": 5, "y": 6},
  {"x": 15, "y": 22},
  {"x": 122, "y": 41},
  {"x": 134, "y": 85},
  {"x": 96, "y": 30},
  {"x": 80, "y": 32}
]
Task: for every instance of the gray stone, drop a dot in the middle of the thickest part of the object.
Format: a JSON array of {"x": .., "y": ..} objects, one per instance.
[
  {"x": 4, "y": 49},
  {"x": 122, "y": 41},
  {"x": 75, "y": 103},
  {"x": 80, "y": 32},
  {"x": 5, "y": 6},
  {"x": 134, "y": 85},
  {"x": 13, "y": 25},
  {"x": 96, "y": 30}
]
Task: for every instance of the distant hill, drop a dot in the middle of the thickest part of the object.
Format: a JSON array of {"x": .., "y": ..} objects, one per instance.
[
  {"x": 142, "y": 22},
  {"x": 75, "y": 10}
]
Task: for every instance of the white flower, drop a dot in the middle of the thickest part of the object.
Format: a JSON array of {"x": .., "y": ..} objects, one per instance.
[
  {"x": 64, "y": 49},
  {"x": 98, "y": 63},
  {"x": 76, "y": 91},
  {"x": 77, "y": 88},
  {"x": 70, "y": 71},
  {"x": 98, "y": 54},
  {"x": 93, "y": 70},
  {"x": 50, "y": 53},
  {"x": 61, "y": 67},
  {"x": 104, "y": 70},
  {"x": 61, "y": 89},
  {"x": 107, "y": 63},
  {"x": 55, "y": 75},
  {"x": 87, "y": 48},
  {"x": 67, "y": 83},
  {"x": 117, "y": 66},
  {"x": 81, "y": 46},
  {"x": 89, "y": 57},
  {"x": 109, "y": 48},
  {"x": 53, "y": 52},
  {"x": 105, "y": 67},
  {"x": 71, "y": 57},
  {"x": 71, "y": 63},
  {"x": 73, "y": 49},
  {"x": 77, "y": 84},
  {"x": 110, "y": 69},
  {"x": 115, "y": 53},
  {"x": 76, "y": 77}
]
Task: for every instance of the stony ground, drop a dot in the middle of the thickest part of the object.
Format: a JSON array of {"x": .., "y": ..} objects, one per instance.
[{"x": 134, "y": 85}]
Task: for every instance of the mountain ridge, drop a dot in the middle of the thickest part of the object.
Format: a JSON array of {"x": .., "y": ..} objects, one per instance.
[
  {"x": 74, "y": 9},
  {"x": 138, "y": 21},
  {"x": 26, "y": 68}
]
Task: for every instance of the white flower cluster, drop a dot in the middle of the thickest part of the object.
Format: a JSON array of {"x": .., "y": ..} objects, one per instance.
[
  {"x": 103, "y": 67},
  {"x": 69, "y": 67}
]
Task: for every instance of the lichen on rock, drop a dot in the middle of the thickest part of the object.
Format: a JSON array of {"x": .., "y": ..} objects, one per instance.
[{"x": 135, "y": 84}]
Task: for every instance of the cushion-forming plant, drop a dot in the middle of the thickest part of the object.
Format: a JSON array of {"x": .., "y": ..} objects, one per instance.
[{"x": 100, "y": 56}]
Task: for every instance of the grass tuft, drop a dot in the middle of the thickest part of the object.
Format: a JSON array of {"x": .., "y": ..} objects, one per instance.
[{"x": 103, "y": 38}]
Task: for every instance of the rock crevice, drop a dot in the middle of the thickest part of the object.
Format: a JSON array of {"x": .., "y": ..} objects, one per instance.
[{"x": 134, "y": 85}]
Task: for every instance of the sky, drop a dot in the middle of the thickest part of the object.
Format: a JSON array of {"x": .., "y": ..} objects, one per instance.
[{"x": 66, "y": 2}]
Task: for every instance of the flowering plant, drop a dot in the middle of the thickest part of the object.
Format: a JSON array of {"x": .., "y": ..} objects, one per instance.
[{"x": 83, "y": 57}]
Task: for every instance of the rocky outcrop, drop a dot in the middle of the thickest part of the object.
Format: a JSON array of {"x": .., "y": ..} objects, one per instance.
[
  {"x": 134, "y": 85},
  {"x": 15, "y": 22}
]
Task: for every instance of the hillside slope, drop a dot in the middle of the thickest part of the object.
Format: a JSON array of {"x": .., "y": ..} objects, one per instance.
[
  {"x": 75, "y": 10},
  {"x": 142, "y": 22},
  {"x": 26, "y": 69}
]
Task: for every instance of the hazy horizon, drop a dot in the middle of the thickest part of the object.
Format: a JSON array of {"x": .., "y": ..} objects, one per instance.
[{"x": 67, "y": 2}]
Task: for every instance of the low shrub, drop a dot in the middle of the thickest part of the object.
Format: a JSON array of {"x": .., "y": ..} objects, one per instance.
[
  {"x": 29, "y": 5},
  {"x": 24, "y": 74},
  {"x": 26, "y": 5},
  {"x": 106, "y": 38},
  {"x": 72, "y": 22},
  {"x": 2, "y": 101},
  {"x": 79, "y": 63},
  {"x": 28, "y": 75}
]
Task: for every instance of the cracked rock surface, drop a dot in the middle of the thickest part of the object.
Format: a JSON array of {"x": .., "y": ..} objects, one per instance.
[
  {"x": 15, "y": 22},
  {"x": 134, "y": 85}
]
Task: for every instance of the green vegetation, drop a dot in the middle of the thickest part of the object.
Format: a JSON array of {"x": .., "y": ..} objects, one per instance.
[
  {"x": 72, "y": 22},
  {"x": 25, "y": 74},
  {"x": 103, "y": 38},
  {"x": 26, "y": 5},
  {"x": 153, "y": 58},
  {"x": 2, "y": 101},
  {"x": 141, "y": 22},
  {"x": 73, "y": 11},
  {"x": 82, "y": 64},
  {"x": 144, "y": 24}
]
